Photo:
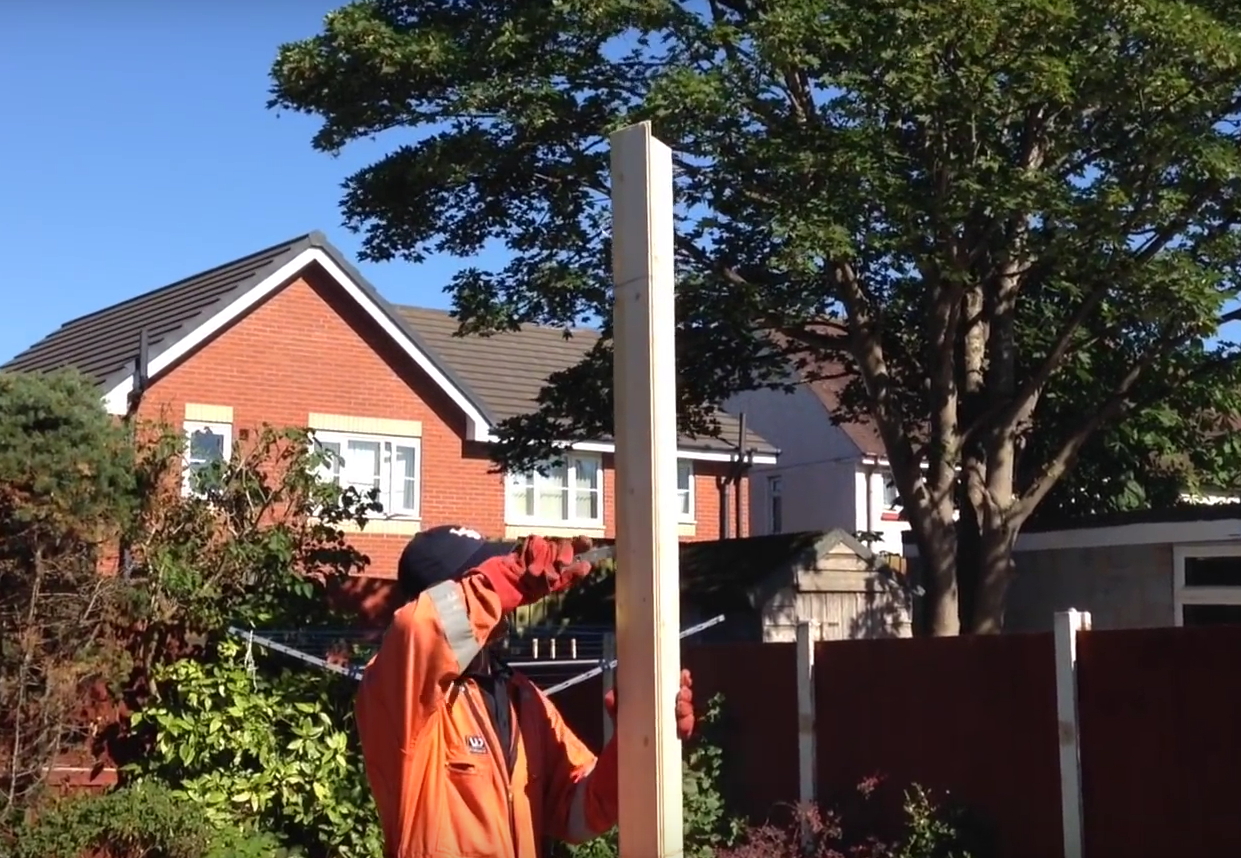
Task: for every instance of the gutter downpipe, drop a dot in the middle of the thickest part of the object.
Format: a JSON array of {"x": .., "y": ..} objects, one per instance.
[{"x": 141, "y": 373}]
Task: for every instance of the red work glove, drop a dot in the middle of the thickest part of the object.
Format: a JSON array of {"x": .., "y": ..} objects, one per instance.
[
  {"x": 683, "y": 710},
  {"x": 536, "y": 568}
]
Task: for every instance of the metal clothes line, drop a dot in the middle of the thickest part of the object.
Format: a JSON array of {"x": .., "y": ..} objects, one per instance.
[{"x": 355, "y": 673}]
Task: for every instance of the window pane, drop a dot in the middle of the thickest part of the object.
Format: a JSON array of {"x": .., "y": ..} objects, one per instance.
[
  {"x": 405, "y": 479},
  {"x": 775, "y": 505},
  {"x": 685, "y": 471},
  {"x": 557, "y": 477},
  {"x": 552, "y": 502},
  {"x": 891, "y": 497},
  {"x": 330, "y": 471},
  {"x": 521, "y": 498},
  {"x": 1211, "y": 615},
  {"x": 362, "y": 465},
  {"x": 586, "y": 473},
  {"x": 206, "y": 446},
  {"x": 586, "y": 505},
  {"x": 683, "y": 497},
  {"x": 1213, "y": 571}
]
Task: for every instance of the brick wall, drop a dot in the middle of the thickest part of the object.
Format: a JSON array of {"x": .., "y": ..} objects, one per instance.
[{"x": 309, "y": 349}]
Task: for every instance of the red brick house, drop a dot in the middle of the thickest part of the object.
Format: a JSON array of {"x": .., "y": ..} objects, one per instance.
[{"x": 293, "y": 335}]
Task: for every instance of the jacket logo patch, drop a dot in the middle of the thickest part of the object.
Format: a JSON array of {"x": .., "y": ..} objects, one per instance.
[{"x": 476, "y": 744}]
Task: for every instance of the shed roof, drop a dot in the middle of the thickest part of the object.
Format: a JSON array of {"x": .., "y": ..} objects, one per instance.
[{"x": 725, "y": 575}]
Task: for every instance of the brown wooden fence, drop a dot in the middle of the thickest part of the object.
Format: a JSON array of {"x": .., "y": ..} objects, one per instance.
[
  {"x": 972, "y": 718},
  {"x": 975, "y": 719},
  {"x": 759, "y": 726},
  {"x": 1160, "y": 716}
]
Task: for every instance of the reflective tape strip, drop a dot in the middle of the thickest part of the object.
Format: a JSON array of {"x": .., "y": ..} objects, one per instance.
[
  {"x": 577, "y": 831},
  {"x": 455, "y": 621}
]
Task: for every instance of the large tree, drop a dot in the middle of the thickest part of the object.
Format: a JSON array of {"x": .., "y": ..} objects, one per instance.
[{"x": 1013, "y": 222}]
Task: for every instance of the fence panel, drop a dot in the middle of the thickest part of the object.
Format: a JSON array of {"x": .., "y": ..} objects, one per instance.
[
  {"x": 759, "y": 724},
  {"x": 973, "y": 717},
  {"x": 1159, "y": 711}
]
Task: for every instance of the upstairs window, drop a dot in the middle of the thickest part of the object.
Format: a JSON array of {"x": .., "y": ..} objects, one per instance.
[
  {"x": 206, "y": 444},
  {"x": 685, "y": 489},
  {"x": 377, "y": 462},
  {"x": 775, "y": 504},
  {"x": 568, "y": 494}
]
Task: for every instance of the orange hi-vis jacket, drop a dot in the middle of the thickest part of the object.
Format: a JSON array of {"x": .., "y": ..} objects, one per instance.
[{"x": 443, "y": 785}]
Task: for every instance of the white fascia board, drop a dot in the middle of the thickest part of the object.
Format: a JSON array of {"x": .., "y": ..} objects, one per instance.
[
  {"x": 478, "y": 428},
  {"x": 1223, "y": 530},
  {"x": 693, "y": 455}
]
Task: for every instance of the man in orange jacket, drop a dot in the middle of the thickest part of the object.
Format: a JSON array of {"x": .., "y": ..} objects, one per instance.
[{"x": 465, "y": 758}]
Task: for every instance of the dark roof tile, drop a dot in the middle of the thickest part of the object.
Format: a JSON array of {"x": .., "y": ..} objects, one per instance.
[
  {"x": 500, "y": 375},
  {"x": 508, "y": 370},
  {"x": 103, "y": 344}
]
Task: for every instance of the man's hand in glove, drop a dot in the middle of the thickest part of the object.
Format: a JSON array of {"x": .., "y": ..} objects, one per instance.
[
  {"x": 536, "y": 568},
  {"x": 683, "y": 710}
]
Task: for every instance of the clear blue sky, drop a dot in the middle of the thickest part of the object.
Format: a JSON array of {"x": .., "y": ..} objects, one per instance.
[{"x": 135, "y": 149}]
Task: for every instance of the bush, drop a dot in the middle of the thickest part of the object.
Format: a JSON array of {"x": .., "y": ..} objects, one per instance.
[
  {"x": 66, "y": 487},
  {"x": 258, "y": 746},
  {"x": 142, "y": 821},
  {"x": 811, "y": 833}
]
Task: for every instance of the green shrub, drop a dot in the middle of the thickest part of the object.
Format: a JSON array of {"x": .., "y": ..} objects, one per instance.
[
  {"x": 267, "y": 748},
  {"x": 141, "y": 821}
]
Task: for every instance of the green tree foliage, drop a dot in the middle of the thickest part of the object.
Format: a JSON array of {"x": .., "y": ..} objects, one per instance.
[
  {"x": 256, "y": 542},
  {"x": 66, "y": 489},
  {"x": 1012, "y": 223}
]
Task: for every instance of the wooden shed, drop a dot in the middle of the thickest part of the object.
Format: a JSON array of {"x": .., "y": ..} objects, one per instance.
[
  {"x": 833, "y": 579},
  {"x": 765, "y": 585}
]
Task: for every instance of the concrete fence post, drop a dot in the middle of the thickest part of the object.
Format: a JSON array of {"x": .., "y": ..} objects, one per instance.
[
  {"x": 807, "y": 749},
  {"x": 608, "y": 681},
  {"x": 1066, "y": 627}
]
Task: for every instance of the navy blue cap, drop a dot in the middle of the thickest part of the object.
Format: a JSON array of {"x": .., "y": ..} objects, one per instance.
[{"x": 443, "y": 553}]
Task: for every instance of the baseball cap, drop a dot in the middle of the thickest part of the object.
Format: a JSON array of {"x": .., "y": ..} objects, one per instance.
[{"x": 443, "y": 553}]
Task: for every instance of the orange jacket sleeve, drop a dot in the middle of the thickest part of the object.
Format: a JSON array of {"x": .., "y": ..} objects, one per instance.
[
  {"x": 429, "y": 644},
  {"x": 582, "y": 789}
]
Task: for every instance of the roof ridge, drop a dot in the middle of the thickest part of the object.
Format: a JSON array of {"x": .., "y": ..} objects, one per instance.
[
  {"x": 529, "y": 325},
  {"x": 307, "y": 237}
]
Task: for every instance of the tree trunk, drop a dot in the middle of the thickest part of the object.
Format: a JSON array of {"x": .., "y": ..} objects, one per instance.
[
  {"x": 937, "y": 553},
  {"x": 968, "y": 557},
  {"x": 995, "y": 574}
]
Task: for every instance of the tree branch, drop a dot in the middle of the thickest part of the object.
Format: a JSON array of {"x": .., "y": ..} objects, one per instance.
[{"x": 1115, "y": 405}]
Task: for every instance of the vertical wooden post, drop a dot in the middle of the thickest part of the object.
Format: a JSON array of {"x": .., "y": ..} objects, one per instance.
[
  {"x": 807, "y": 740},
  {"x": 647, "y": 580},
  {"x": 739, "y": 477},
  {"x": 1067, "y": 625},
  {"x": 609, "y": 681}
]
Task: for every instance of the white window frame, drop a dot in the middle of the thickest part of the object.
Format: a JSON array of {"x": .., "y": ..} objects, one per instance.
[
  {"x": 775, "y": 489},
  {"x": 387, "y": 442},
  {"x": 686, "y": 513},
  {"x": 1183, "y": 595},
  {"x": 189, "y": 427},
  {"x": 513, "y": 516}
]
